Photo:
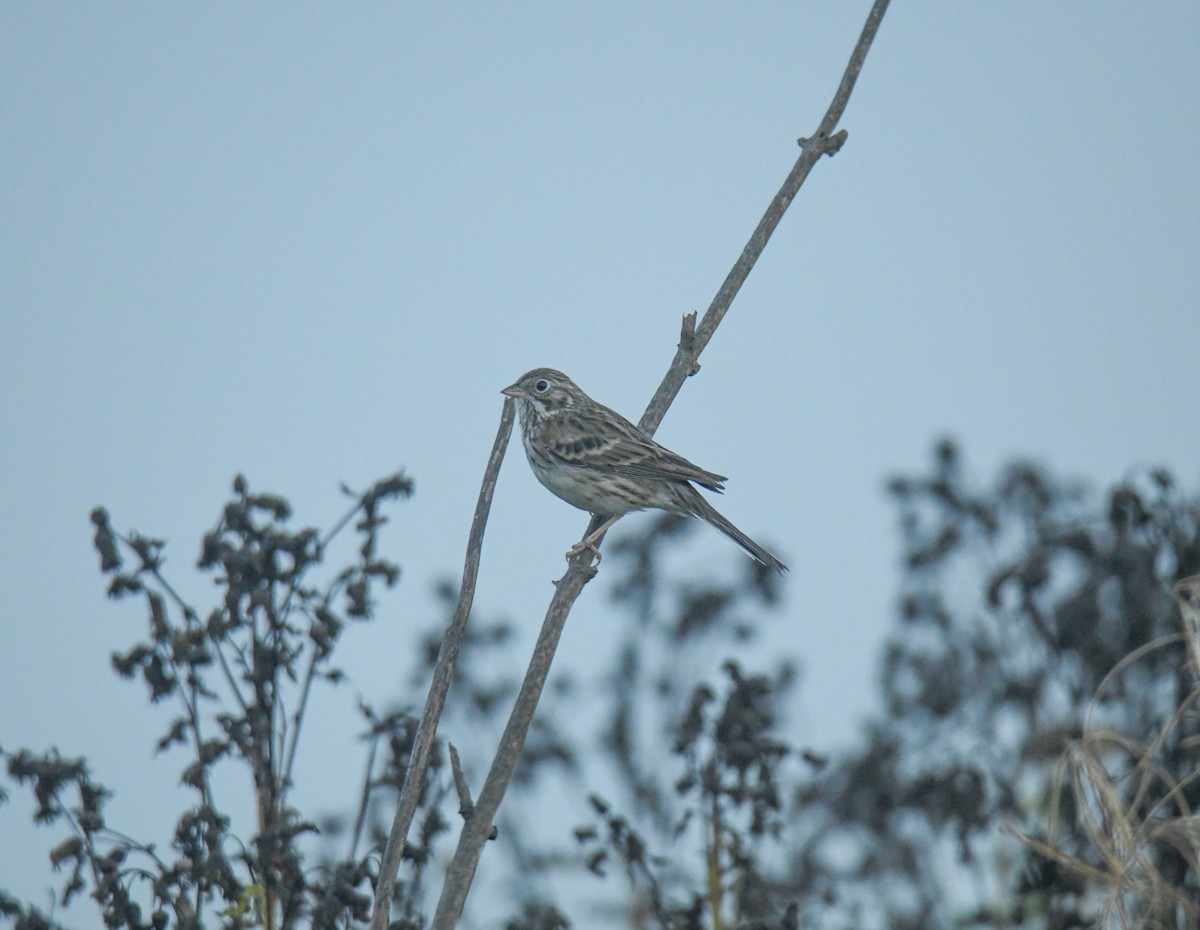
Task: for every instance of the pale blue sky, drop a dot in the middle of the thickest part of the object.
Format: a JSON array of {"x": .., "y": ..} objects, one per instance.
[{"x": 311, "y": 243}]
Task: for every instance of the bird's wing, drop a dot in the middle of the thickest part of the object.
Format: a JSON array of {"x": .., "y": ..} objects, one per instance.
[{"x": 605, "y": 441}]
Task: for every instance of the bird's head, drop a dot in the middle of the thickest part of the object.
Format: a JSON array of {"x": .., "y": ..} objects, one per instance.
[{"x": 543, "y": 392}]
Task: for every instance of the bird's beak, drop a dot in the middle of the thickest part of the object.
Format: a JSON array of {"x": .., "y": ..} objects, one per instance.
[{"x": 513, "y": 391}]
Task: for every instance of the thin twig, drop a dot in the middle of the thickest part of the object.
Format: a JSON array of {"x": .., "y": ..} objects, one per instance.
[
  {"x": 461, "y": 871},
  {"x": 824, "y": 141},
  {"x": 364, "y": 800},
  {"x": 190, "y": 704},
  {"x": 191, "y": 618},
  {"x": 289, "y": 755},
  {"x": 465, "y": 804},
  {"x": 713, "y": 862},
  {"x": 414, "y": 775}
]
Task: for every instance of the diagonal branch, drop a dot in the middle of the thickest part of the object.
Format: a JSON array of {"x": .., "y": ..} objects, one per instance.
[
  {"x": 418, "y": 763},
  {"x": 824, "y": 141},
  {"x": 461, "y": 871}
]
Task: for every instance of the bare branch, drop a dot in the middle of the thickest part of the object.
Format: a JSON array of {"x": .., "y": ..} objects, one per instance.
[
  {"x": 693, "y": 339},
  {"x": 414, "y": 776},
  {"x": 465, "y": 804},
  {"x": 364, "y": 799},
  {"x": 822, "y": 143},
  {"x": 478, "y": 824}
]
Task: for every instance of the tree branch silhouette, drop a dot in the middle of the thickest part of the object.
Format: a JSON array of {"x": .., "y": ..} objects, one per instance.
[
  {"x": 414, "y": 775},
  {"x": 823, "y": 142},
  {"x": 461, "y": 872},
  {"x": 693, "y": 339}
]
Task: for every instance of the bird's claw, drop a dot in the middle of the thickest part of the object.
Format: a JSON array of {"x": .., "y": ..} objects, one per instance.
[{"x": 584, "y": 545}]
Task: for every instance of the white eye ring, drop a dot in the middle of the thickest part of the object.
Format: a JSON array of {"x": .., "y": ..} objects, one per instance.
[{"x": 541, "y": 385}]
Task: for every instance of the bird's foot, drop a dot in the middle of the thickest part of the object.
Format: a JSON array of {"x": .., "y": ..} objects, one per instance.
[{"x": 584, "y": 545}]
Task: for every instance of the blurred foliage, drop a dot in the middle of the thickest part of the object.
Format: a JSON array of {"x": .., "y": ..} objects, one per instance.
[
  {"x": 1032, "y": 763},
  {"x": 240, "y": 676},
  {"x": 1019, "y": 605}
]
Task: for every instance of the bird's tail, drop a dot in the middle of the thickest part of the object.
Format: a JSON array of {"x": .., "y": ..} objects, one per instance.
[{"x": 697, "y": 505}]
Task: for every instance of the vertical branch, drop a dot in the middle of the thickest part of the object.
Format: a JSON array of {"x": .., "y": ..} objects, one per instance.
[
  {"x": 713, "y": 861},
  {"x": 414, "y": 775},
  {"x": 364, "y": 799},
  {"x": 461, "y": 871}
]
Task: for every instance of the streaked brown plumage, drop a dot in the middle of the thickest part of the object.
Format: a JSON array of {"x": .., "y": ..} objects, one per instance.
[{"x": 596, "y": 460}]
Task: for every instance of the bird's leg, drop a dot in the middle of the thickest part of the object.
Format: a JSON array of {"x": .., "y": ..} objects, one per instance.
[{"x": 588, "y": 543}]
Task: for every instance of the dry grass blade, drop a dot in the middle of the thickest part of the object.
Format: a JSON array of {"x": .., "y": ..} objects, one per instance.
[{"x": 1128, "y": 808}]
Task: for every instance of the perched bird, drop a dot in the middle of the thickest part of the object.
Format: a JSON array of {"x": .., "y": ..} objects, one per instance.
[{"x": 596, "y": 460}]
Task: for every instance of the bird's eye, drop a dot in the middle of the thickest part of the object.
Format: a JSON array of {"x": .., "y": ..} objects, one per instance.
[{"x": 541, "y": 385}]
